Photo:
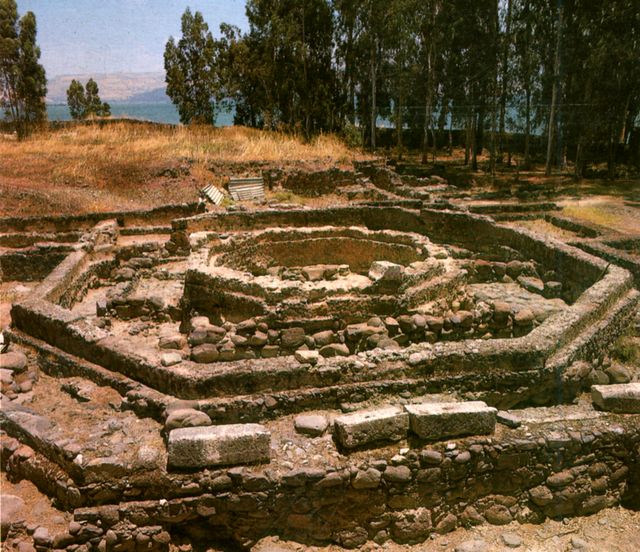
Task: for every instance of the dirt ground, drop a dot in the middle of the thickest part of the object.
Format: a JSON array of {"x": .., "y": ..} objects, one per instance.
[{"x": 612, "y": 530}]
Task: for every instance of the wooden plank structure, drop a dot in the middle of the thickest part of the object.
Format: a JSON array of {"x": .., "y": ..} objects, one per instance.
[
  {"x": 246, "y": 188},
  {"x": 212, "y": 193}
]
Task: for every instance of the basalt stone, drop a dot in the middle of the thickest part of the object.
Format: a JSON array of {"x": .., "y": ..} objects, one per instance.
[
  {"x": 246, "y": 327},
  {"x": 313, "y": 425},
  {"x": 16, "y": 361},
  {"x": 176, "y": 341},
  {"x": 498, "y": 515},
  {"x": 618, "y": 373},
  {"x": 258, "y": 339},
  {"x": 534, "y": 285},
  {"x": 292, "y": 338},
  {"x": 622, "y": 398},
  {"x": 515, "y": 268},
  {"x": 386, "y": 271},
  {"x": 334, "y": 349},
  {"x": 406, "y": 323},
  {"x": 392, "y": 325},
  {"x": 11, "y": 512},
  {"x": 199, "y": 447},
  {"x": 186, "y": 417},
  {"x": 397, "y": 474},
  {"x": 323, "y": 338},
  {"x": 435, "y": 323},
  {"x": 412, "y": 526},
  {"x": 169, "y": 359},
  {"x": 370, "y": 426},
  {"x": 314, "y": 273},
  {"x": 269, "y": 351},
  {"x": 524, "y": 317},
  {"x": 508, "y": 419},
  {"x": 483, "y": 269},
  {"x": 443, "y": 420},
  {"x": 462, "y": 319},
  {"x": 366, "y": 479},
  {"x": 205, "y": 353},
  {"x": 208, "y": 334}
]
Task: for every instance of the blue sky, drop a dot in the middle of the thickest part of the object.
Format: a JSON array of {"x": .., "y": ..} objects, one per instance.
[{"x": 110, "y": 36}]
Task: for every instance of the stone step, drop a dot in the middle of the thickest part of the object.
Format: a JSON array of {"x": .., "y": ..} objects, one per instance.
[
  {"x": 599, "y": 333},
  {"x": 436, "y": 421},
  {"x": 224, "y": 445},
  {"x": 622, "y": 398},
  {"x": 371, "y": 426}
]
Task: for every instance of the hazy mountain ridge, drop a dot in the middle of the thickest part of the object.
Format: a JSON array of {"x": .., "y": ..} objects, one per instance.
[{"x": 114, "y": 87}]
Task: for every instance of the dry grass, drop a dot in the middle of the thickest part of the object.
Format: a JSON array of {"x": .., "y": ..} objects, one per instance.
[{"x": 100, "y": 168}]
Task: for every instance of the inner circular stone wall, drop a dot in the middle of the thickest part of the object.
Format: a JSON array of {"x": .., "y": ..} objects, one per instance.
[{"x": 357, "y": 248}]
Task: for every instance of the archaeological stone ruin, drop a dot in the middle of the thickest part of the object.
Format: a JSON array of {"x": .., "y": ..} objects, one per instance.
[{"x": 403, "y": 363}]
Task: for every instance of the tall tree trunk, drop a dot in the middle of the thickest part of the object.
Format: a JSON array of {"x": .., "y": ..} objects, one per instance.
[
  {"x": 527, "y": 89},
  {"x": 611, "y": 154},
  {"x": 494, "y": 95},
  {"x": 373, "y": 94},
  {"x": 555, "y": 90},
  {"x": 582, "y": 135},
  {"x": 505, "y": 79},
  {"x": 428, "y": 110},
  {"x": 474, "y": 138},
  {"x": 468, "y": 134},
  {"x": 399, "y": 127}
]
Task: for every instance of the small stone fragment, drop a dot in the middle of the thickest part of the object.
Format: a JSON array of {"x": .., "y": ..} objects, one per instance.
[
  {"x": 15, "y": 361},
  {"x": 335, "y": 349},
  {"x": 186, "y": 417},
  {"x": 508, "y": 419},
  {"x": 511, "y": 540},
  {"x": 312, "y": 425},
  {"x": 169, "y": 359},
  {"x": 307, "y": 357}
]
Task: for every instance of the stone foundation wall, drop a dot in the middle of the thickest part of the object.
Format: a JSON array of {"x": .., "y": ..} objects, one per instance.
[
  {"x": 545, "y": 473},
  {"x": 574, "y": 270},
  {"x": 68, "y": 223},
  {"x": 31, "y": 264},
  {"x": 374, "y": 218}
]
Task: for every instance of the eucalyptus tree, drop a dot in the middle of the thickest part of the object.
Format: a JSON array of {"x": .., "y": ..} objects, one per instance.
[
  {"x": 23, "y": 82},
  {"x": 190, "y": 65}
]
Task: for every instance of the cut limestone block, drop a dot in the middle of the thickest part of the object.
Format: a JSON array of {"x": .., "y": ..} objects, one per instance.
[
  {"x": 622, "y": 397},
  {"x": 365, "y": 427},
  {"x": 199, "y": 447},
  {"x": 450, "y": 419}
]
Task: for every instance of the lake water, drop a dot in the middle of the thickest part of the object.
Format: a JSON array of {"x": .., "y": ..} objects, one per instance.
[{"x": 156, "y": 112}]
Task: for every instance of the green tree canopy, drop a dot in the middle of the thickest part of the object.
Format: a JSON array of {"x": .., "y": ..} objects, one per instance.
[
  {"x": 190, "y": 66},
  {"x": 76, "y": 99},
  {"x": 85, "y": 101},
  {"x": 23, "y": 83}
]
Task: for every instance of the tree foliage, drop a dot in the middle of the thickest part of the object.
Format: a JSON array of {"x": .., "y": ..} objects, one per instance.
[
  {"x": 190, "y": 65},
  {"x": 84, "y": 102},
  {"x": 23, "y": 83},
  {"x": 563, "y": 73}
]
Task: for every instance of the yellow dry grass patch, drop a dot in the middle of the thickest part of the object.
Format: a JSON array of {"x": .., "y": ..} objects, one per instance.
[
  {"x": 94, "y": 155},
  {"x": 133, "y": 165}
]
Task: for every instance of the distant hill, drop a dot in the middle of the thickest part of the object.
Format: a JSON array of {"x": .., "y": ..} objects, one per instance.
[
  {"x": 114, "y": 87},
  {"x": 157, "y": 95}
]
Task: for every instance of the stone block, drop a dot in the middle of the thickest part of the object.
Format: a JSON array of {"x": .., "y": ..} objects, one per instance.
[
  {"x": 622, "y": 397},
  {"x": 199, "y": 447},
  {"x": 451, "y": 419},
  {"x": 365, "y": 427},
  {"x": 313, "y": 425},
  {"x": 386, "y": 271}
]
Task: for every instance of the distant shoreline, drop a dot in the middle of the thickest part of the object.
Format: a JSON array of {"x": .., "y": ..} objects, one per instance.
[{"x": 155, "y": 112}]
